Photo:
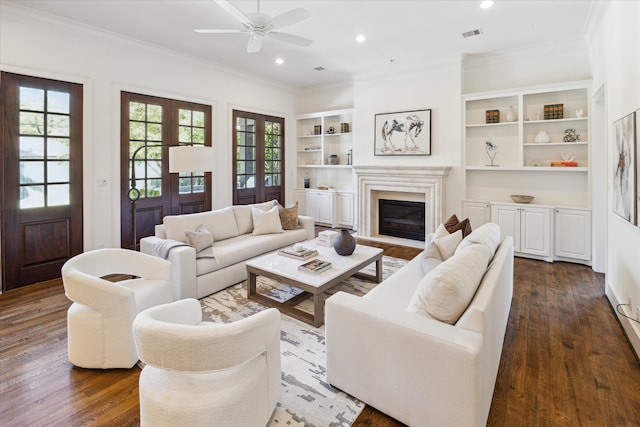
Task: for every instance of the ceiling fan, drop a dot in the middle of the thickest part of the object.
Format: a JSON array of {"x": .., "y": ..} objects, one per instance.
[{"x": 259, "y": 25}]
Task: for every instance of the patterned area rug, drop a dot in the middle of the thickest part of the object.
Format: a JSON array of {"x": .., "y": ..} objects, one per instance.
[{"x": 306, "y": 399}]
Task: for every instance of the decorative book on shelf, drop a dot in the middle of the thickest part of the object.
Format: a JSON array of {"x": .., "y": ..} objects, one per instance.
[
  {"x": 492, "y": 116},
  {"x": 292, "y": 253},
  {"x": 315, "y": 266},
  {"x": 564, "y": 164}
]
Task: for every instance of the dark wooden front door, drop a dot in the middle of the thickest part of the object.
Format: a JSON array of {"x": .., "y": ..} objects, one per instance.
[
  {"x": 258, "y": 146},
  {"x": 41, "y": 177}
]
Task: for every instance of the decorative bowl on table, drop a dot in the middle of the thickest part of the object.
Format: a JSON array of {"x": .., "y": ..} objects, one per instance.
[{"x": 521, "y": 198}]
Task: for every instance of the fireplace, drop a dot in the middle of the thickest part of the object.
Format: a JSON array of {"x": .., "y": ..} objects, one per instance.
[
  {"x": 401, "y": 218},
  {"x": 409, "y": 183}
]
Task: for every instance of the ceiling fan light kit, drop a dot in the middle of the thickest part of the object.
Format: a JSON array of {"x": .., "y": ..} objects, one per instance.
[{"x": 260, "y": 25}]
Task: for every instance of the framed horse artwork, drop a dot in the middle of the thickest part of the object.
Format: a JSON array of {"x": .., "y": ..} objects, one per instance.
[{"x": 405, "y": 133}]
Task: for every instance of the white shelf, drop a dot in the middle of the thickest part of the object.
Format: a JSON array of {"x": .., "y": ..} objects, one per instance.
[
  {"x": 536, "y": 169},
  {"x": 517, "y": 147}
]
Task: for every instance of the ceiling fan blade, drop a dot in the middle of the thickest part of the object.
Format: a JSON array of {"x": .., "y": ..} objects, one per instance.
[
  {"x": 290, "y": 38},
  {"x": 289, "y": 18},
  {"x": 235, "y": 12},
  {"x": 218, "y": 31},
  {"x": 255, "y": 44}
]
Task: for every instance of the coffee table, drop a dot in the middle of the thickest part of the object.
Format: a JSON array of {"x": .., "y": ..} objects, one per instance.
[{"x": 285, "y": 270}]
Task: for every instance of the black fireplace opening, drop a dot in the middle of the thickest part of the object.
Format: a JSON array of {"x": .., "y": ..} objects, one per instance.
[{"x": 401, "y": 218}]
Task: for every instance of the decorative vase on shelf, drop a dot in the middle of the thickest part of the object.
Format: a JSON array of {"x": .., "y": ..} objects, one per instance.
[
  {"x": 511, "y": 116},
  {"x": 344, "y": 244}
]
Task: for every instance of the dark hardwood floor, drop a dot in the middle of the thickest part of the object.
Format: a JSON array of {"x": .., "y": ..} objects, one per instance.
[{"x": 566, "y": 360}]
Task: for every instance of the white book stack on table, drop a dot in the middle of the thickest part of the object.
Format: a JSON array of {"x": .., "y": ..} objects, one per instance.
[{"x": 326, "y": 238}]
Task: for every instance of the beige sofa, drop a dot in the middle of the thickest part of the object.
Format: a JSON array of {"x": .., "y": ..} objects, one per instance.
[
  {"x": 198, "y": 274},
  {"x": 383, "y": 350}
]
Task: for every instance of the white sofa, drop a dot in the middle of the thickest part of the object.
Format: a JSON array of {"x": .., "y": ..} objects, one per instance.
[
  {"x": 196, "y": 275},
  {"x": 419, "y": 370}
]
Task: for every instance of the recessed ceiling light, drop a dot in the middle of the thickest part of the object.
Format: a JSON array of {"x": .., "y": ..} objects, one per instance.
[
  {"x": 486, "y": 4},
  {"x": 360, "y": 38},
  {"x": 279, "y": 61}
]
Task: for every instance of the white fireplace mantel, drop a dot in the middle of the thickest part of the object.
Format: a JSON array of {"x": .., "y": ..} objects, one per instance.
[{"x": 426, "y": 181}]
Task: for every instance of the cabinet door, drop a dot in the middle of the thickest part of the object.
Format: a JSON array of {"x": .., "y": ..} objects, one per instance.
[
  {"x": 573, "y": 234},
  {"x": 508, "y": 219},
  {"x": 313, "y": 205},
  {"x": 535, "y": 231},
  {"x": 478, "y": 213},
  {"x": 344, "y": 209},
  {"x": 325, "y": 213}
]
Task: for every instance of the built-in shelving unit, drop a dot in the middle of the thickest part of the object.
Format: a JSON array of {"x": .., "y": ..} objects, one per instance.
[
  {"x": 522, "y": 163},
  {"x": 319, "y": 136},
  {"x": 527, "y": 143}
]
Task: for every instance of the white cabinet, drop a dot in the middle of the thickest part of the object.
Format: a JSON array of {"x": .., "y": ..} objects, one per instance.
[
  {"x": 530, "y": 227},
  {"x": 321, "y": 206},
  {"x": 507, "y": 156},
  {"x": 573, "y": 234},
  {"x": 478, "y": 212},
  {"x": 344, "y": 209}
]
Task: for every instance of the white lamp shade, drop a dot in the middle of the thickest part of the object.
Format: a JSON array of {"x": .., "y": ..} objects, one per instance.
[{"x": 190, "y": 158}]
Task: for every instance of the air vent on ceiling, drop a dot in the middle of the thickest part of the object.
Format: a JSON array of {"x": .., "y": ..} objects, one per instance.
[
  {"x": 319, "y": 68},
  {"x": 472, "y": 33}
]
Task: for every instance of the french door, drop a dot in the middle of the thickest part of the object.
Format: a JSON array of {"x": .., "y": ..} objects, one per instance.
[
  {"x": 149, "y": 125},
  {"x": 41, "y": 177},
  {"x": 258, "y": 158}
]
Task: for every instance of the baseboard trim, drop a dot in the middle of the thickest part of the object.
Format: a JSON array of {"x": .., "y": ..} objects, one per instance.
[{"x": 631, "y": 328}]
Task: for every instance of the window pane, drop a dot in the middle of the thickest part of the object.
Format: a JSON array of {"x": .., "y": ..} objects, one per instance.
[
  {"x": 240, "y": 167},
  {"x": 58, "y": 194},
  {"x": 57, "y": 125},
  {"x": 154, "y": 152},
  {"x": 31, "y": 172},
  {"x": 57, "y": 102},
  {"x": 154, "y": 169},
  {"x": 140, "y": 169},
  {"x": 276, "y": 154},
  {"x": 57, "y": 172},
  {"x": 184, "y": 117},
  {"x": 154, "y": 188},
  {"x": 241, "y": 123},
  {"x": 31, "y": 99},
  {"x": 32, "y": 196},
  {"x": 198, "y": 184},
  {"x": 185, "y": 185},
  {"x": 198, "y": 118},
  {"x": 268, "y": 127},
  {"x": 31, "y": 123},
  {"x": 136, "y": 130},
  {"x": 154, "y": 132},
  {"x": 57, "y": 148},
  {"x": 154, "y": 113},
  {"x": 184, "y": 134},
  {"x": 137, "y": 111},
  {"x": 198, "y": 136},
  {"x": 276, "y": 179},
  {"x": 31, "y": 147}
]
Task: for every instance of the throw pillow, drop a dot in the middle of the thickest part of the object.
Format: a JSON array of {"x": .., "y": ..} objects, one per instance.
[
  {"x": 200, "y": 239},
  {"x": 451, "y": 222},
  {"x": 289, "y": 216},
  {"x": 447, "y": 245},
  {"x": 446, "y": 291},
  {"x": 430, "y": 258},
  {"x": 266, "y": 222},
  {"x": 464, "y": 226}
]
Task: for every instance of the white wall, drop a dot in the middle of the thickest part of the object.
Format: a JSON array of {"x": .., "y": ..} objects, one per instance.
[
  {"x": 41, "y": 46},
  {"x": 436, "y": 88},
  {"x": 615, "y": 62}
]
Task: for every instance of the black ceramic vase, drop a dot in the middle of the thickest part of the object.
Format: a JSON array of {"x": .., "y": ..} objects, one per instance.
[{"x": 344, "y": 243}]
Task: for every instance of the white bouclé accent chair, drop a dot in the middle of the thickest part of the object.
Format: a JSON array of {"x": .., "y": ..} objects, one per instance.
[
  {"x": 207, "y": 374},
  {"x": 100, "y": 320}
]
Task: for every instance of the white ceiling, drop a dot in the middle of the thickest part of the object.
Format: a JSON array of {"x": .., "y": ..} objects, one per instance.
[{"x": 401, "y": 35}]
